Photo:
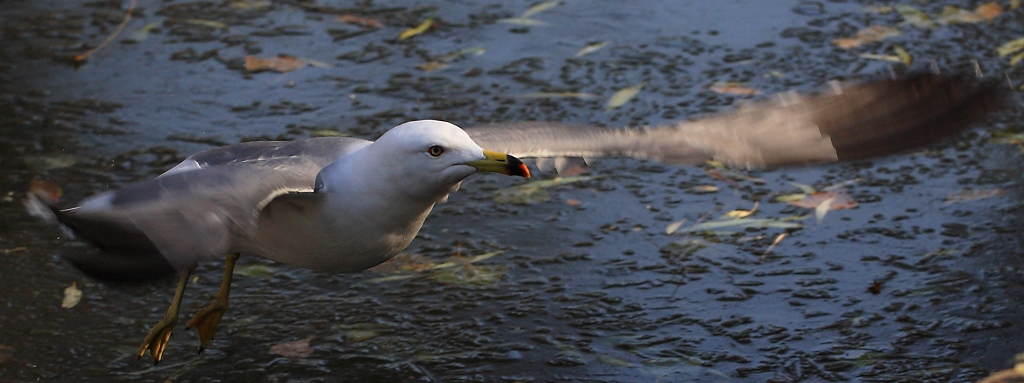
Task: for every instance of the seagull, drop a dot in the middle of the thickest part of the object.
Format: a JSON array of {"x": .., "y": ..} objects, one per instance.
[{"x": 342, "y": 204}]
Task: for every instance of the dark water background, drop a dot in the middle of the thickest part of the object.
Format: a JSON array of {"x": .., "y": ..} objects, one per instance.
[{"x": 589, "y": 288}]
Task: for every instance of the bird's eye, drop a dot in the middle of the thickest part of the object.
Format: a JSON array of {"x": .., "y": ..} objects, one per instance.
[{"x": 435, "y": 150}]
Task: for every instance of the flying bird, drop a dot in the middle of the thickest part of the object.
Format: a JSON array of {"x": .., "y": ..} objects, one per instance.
[{"x": 340, "y": 204}]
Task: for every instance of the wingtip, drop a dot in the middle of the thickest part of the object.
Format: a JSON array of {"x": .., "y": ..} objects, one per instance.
[{"x": 911, "y": 112}]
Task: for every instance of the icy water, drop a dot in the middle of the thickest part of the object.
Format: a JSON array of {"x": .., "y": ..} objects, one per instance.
[{"x": 920, "y": 282}]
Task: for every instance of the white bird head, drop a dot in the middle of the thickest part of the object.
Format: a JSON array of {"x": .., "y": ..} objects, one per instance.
[{"x": 428, "y": 159}]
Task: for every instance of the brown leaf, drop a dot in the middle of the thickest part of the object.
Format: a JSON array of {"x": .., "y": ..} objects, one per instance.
[
  {"x": 296, "y": 349},
  {"x": 733, "y": 88},
  {"x": 838, "y": 197},
  {"x": 349, "y": 18},
  {"x": 573, "y": 202},
  {"x": 867, "y": 35},
  {"x": 49, "y": 192},
  {"x": 283, "y": 64},
  {"x": 989, "y": 11}
]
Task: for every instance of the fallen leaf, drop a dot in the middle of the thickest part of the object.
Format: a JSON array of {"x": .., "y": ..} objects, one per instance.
[
  {"x": 1010, "y": 47},
  {"x": 283, "y": 64},
  {"x": 391, "y": 278},
  {"x": 733, "y": 88},
  {"x": 875, "y": 56},
  {"x": 904, "y": 56},
  {"x": 915, "y": 17},
  {"x": 1016, "y": 58},
  {"x": 1014, "y": 4},
  {"x": 778, "y": 239},
  {"x": 142, "y": 34},
  {"x": 591, "y": 48},
  {"x": 823, "y": 208},
  {"x": 972, "y": 195},
  {"x": 540, "y": 7},
  {"x": 867, "y": 35},
  {"x": 251, "y": 4},
  {"x": 47, "y": 191},
  {"x": 557, "y": 95},
  {"x": 879, "y": 9},
  {"x": 254, "y": 271},
  {"x": 417, "y": 30},
  {"x": 367, "y": 22},
  {"x": 445, "y": 60},
  {"x": 296, "y": 349},
  {"x": 533, "y": 192},
  {"x": 674, "y": 226},
  {"x": 623, "y": 96},
  {"x": 703, "y": 189},
  {"x": 955, "y": 15},
  {"x": 573, "y": 202},
  {"x": 989, "y": 11},
  {"x": 837, "y": 200},
  {"x": 359, "y": 335},
  {"x": 740, "y": 213},
  {"x": 745, "y": 222},
  {"x": 72, "y": 295},
  {"x": 610, "y": 360},
  {"x": 206, "y": 23},
  {"x": 523, "y": 22},
  {"x": 50, "y": 162},
  {"x": 405, "y": 262}
]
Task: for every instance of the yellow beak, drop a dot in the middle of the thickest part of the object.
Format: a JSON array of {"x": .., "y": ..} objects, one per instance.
[{"x": 501, "y": 163}]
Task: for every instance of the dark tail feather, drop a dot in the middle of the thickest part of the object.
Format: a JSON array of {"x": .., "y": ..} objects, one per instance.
[
  {"x": 125, "y": 254},
  {"x": 892, "y": 116}
]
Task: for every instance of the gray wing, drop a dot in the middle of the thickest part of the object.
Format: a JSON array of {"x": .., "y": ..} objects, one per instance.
[
  {"x": 844, "y": 123},
  {"x": 208, "y": 198}
]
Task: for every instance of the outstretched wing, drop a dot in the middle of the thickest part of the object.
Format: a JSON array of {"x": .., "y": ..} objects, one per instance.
[{"x": 843, "y": 123}]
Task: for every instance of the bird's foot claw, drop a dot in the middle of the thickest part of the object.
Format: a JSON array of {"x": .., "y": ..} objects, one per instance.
[
  {"x": 205, "y": 321},
  {"x": 157, "y": 339}
]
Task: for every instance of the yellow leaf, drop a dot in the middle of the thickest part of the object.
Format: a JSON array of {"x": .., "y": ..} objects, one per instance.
[
  {"x": 415, "y": 31},
  {"x": 867, "y": 35},
  {"x": 739, "y": 213},
  {"x": 875, "y": 56},
  {"x": 283, "y": 64},
  {"x": 540, "y": 7},
  {"x": 915, "y": 17},
  {"x": 206, "y": 23},
  {"x": 557, "y": 95},
  {"x": 904, "y": 56},
  {"x": 623, "y": 96},
  {"x": 1014, "y": 4},
  {"x": 72, "y": 295},
  {"x": 1010, "y": 47},
  {"x": 1016, "y": 58},
  {"x": 733, "y": 88},
  {"x": 591, "y": 48},
  {"x": 952, "y": 15}
]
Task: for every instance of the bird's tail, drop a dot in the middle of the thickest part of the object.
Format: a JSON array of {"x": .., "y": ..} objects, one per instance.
[{"x": 117, "y": 261}]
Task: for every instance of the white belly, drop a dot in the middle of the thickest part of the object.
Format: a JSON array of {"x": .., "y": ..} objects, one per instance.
[{"x": 336, "y": 239}]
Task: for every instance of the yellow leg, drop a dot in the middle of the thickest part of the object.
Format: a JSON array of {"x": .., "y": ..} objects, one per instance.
[
  {"x": 157, "y": 339},
  {"x": 205, "y": 321}
]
